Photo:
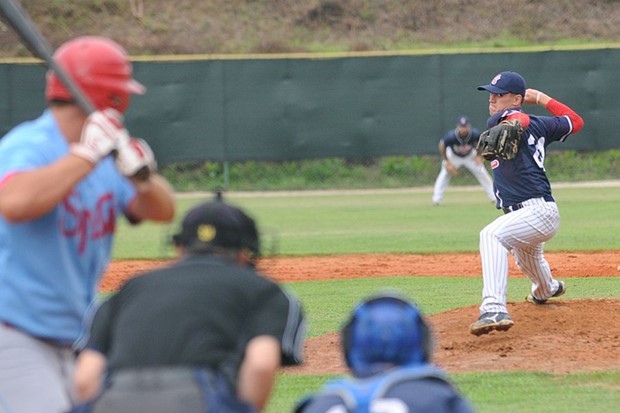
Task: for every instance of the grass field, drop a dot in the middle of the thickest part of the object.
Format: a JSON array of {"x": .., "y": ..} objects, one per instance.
[
  {"x": 405, "y": 222},
  {"x": 397, "y": 221}
]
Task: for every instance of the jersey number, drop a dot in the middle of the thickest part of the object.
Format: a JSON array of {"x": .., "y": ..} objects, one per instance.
[{"x": 539, "y": 154}]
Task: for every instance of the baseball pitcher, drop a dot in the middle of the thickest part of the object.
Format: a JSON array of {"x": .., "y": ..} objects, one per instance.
[{"x": 515, "y": 145}]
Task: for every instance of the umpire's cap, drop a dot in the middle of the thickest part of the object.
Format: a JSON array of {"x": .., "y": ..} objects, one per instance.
[{"x": 217, "y": 224}]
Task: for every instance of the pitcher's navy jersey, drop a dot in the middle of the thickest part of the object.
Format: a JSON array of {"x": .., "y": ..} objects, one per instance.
[
  {"x": 461, "y": 146},
  {"x": 524, "y": 177}
]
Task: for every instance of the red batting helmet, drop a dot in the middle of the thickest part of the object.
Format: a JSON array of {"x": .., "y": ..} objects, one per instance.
[{"x": 100, "y": 67}]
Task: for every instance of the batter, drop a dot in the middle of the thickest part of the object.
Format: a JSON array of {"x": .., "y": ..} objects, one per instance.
[{"x": 61, "y": 195}]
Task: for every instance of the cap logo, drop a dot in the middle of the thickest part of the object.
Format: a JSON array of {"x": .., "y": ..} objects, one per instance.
[
  {"x": 496, "y": 79},
  {"x": 206, "y": 233}
]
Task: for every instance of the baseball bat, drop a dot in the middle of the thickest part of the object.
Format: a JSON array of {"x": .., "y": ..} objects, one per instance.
[{"x": 21, "y": 22}]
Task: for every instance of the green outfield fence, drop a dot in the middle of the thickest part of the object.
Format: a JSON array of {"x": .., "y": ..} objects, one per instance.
[{"x": 293, "y": 121}]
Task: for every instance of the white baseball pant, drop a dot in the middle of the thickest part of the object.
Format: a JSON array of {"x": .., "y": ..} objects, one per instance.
[
  {"x": 469, "y": 162},
  {"x": 523, "y": 232}
]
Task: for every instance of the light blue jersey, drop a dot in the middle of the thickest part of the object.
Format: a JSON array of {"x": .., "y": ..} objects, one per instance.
[{"x": 50, "y": 266}]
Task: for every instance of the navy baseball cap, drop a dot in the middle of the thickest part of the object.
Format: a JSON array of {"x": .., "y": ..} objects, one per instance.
[
  {"x": 506, "y": 82},
  {"x": 463, "y": 121}
]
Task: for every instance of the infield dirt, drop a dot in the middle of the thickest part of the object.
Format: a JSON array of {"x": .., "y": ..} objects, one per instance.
[{"x": 564, "y": 335}]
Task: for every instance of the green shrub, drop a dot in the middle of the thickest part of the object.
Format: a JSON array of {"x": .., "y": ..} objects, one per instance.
[{"x": 386, "y": 172}]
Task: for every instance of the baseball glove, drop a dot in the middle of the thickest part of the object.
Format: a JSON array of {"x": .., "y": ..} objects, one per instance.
[{"x": 501, "y": 141}]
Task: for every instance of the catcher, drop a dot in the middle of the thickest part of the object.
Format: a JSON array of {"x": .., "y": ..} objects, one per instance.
[
  {"x": 515, "y": 146},
  {"x": 388, "y": 346}
]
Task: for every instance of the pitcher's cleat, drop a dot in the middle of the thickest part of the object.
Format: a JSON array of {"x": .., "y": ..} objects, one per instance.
[
  {"x": 560, "y": 291},
  {"x": 491, "y": 321}
]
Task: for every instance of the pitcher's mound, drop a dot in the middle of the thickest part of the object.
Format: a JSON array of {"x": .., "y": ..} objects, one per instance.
[{"x": 558, "y": 337}]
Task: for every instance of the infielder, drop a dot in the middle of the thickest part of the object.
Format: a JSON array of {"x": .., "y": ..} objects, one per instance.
[
  {"x": 60, "y": 196},
  {"x": 524, "y": 195},
  {"x": 457, "y": 149}
]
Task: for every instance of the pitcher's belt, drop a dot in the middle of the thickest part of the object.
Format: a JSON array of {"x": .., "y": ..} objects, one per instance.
[{"x": 515, "y": 207}]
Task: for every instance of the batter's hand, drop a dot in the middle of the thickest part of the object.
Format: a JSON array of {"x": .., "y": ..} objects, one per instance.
[
  {"x": 451, "y": 168},
  {"x": 101, "y": 134},
  {"x": 135, "y": 159}
]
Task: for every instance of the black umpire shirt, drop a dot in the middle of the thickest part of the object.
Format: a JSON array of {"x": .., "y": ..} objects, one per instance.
[{"x": 200, "y": 311}]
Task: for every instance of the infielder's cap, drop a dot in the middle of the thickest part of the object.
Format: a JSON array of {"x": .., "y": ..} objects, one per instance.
[
  {"x": 506, "y": 82},
  {"x": 463, "y": 121},
  {"x": 217, "y": 224}
]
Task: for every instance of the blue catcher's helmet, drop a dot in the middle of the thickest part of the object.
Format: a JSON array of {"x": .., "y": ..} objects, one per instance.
[{"x": 385, "y": 331}]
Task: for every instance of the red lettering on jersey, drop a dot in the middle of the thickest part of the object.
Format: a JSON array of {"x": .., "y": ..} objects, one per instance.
[
  {"x": 76, "y": 223},
  {"x": 104, "y": 220},
  {"x": 494, "y": 163}
]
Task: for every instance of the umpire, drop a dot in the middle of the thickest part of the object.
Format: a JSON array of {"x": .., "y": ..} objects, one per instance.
[{"x": 207, "y": 329}]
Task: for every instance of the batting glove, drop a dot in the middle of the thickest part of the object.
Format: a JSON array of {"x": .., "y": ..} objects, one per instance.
[
  {"x": 103, "y": 131},
  {"x": 135, "y": 159}
]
